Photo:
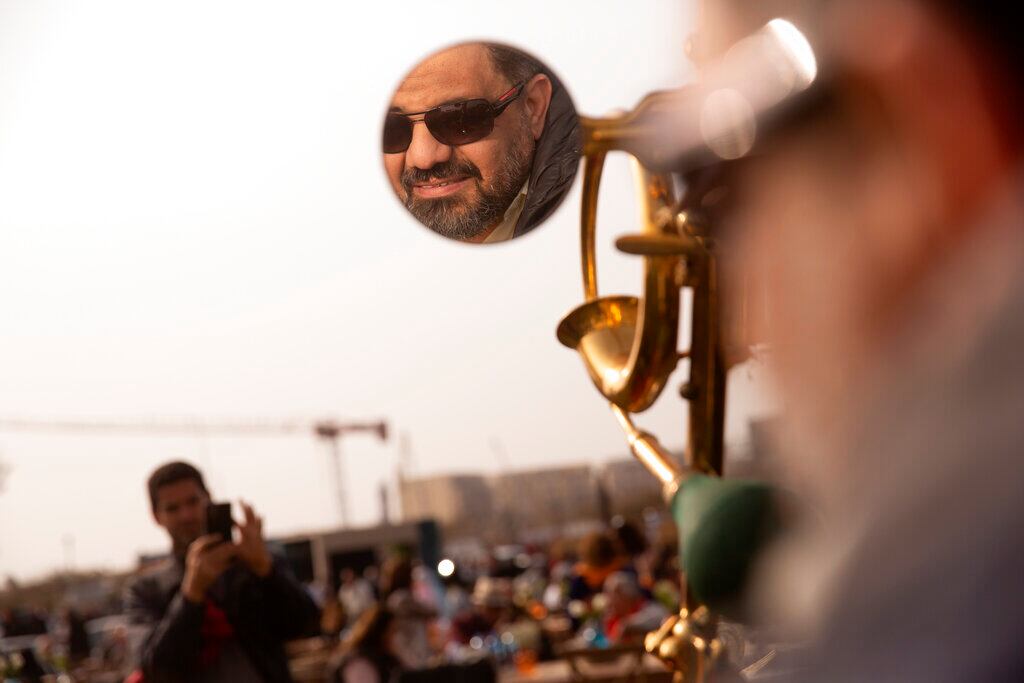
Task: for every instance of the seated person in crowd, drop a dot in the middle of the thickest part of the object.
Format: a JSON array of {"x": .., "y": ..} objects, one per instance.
[
  {"x": 629, "y": 614},
  {"x": 599, "y": 558},
  {"x": 492, "y": 608},
  {"x": 356, "y": 595},
  {"x": 391, "y": 637}
]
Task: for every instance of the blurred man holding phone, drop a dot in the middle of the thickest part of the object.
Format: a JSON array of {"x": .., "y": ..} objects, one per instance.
[{"x": 219, "y": 609}]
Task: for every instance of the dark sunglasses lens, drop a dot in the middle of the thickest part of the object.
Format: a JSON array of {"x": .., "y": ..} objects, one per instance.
[
  {"x": 397, "y": 133},
  {"x": 462, "y": 123}
]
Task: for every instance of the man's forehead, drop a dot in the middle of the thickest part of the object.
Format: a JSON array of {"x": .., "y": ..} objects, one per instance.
[
  {"x": 459, "y": 73},
  {"x": 178, "y": 491}
]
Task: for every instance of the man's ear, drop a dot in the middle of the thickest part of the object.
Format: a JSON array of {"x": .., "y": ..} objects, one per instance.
[{"x": 537, "y": 92}]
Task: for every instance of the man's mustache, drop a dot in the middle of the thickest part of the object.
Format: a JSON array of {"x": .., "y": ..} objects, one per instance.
[{"x": 441, "y": 171}]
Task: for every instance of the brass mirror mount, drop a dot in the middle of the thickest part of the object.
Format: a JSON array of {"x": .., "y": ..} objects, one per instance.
[
  {"x": 652, "y": 455},
  {"x": 687, "y": 642},
  {"x": 629, "y": 345}
]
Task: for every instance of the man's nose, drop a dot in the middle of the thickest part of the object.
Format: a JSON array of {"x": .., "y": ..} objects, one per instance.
[
  {"x": 425, "y": 151},
  {"x": 191, "y": 515}
]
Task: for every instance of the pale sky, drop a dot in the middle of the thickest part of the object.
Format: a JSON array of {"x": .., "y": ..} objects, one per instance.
[{"x": 194, "y": 222}]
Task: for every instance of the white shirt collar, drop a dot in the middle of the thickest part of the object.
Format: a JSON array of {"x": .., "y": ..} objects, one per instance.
[{"x": 506, "y": 229}]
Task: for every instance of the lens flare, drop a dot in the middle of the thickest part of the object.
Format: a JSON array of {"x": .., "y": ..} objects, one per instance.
[
  {"x": 446, "y": 568},
  {"x": 797, "y": 50}
]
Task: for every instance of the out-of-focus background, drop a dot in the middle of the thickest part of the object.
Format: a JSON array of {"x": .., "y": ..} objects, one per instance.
[{"x": 194, "y": 225}]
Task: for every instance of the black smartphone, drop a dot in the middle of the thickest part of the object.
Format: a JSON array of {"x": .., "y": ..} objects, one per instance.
[{"x": 218, "y": 520}]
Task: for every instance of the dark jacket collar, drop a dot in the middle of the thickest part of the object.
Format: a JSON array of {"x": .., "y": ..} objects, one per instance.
[{"x": 554, "y": 161}]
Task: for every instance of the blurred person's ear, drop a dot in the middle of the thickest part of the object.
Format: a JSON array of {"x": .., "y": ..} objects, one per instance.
[
  {"x": 537, "y": 92},
  {"x": 939, "y": 88},
  {"x": 156, "y": 510}
]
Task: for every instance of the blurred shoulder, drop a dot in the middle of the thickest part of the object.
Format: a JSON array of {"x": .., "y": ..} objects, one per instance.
[{"x": 157, "y": 577}]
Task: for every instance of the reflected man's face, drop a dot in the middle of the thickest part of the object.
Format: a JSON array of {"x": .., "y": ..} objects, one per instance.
[{"x": 463, "y": 191}]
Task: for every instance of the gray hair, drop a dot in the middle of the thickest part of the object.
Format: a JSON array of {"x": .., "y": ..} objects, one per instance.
[{"x": 513, "y": 64}]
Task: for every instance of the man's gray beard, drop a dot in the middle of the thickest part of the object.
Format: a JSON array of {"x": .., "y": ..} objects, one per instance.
[{"x": 451, "y": 217}]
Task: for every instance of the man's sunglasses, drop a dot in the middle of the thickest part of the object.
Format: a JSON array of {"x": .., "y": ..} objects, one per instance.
[{"x": 458, "y": 123}]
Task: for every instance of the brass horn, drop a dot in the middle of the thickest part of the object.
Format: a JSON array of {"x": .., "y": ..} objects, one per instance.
[{"x": 629, "y": 345}]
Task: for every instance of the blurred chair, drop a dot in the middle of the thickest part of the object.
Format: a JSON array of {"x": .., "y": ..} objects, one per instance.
[
  {"x": 615, "y": 664},
  {"x": 481, "y": 671}
]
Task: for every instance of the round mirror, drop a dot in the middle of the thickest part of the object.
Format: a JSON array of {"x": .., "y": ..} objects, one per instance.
[{"x": 481, "y": 142}]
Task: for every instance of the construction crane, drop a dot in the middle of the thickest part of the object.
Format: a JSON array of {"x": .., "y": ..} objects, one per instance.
[{"x": 328, "y": 431}]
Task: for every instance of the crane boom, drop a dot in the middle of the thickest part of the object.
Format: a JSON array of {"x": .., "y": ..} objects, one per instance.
[{"x": 328, "y": 430}]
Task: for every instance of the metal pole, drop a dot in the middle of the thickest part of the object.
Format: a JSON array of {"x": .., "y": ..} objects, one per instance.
[
  {"x": 68, "y": 541},
  {"x": 339, "y": 478}
]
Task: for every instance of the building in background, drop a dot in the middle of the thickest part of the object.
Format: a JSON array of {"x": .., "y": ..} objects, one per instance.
[
  {"x": 541, "y": 505},
  {"x": 628, "y": 487},
  {"x": 461, "y": 504},
  {"x": 318, "y": 557},
  {"x": 532, "y": 506}
]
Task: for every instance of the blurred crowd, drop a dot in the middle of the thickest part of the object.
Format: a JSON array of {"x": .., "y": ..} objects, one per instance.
[
  {"x": 505, "y": 606},
  {"x": 36, "y": 643},
  {"x": 514, "y": 606}
]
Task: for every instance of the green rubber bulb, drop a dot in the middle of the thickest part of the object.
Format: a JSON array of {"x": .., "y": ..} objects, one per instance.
[{"x": 723, "y": 526}]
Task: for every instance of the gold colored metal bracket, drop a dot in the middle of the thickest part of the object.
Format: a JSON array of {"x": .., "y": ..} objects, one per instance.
[
  {"x": 650, "y": 132},
  {"x": 652, "y": 455},
  {"x": 629, "y": 345},
  {"x": 687, "y": 643}
]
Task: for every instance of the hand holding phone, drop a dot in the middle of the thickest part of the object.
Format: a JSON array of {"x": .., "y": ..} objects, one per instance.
[{"x": 208, "y": 557}]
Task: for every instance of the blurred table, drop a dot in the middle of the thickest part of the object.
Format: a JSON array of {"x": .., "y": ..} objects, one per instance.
[
  {"x": 307, "y": 659},
  {"x": 559, "y": 671}
]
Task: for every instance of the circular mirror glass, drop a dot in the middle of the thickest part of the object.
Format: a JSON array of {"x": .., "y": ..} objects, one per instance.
[{"x": 481, "y": 142}]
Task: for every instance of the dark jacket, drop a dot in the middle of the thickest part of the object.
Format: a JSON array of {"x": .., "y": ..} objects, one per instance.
[
  {"x": 555, "y": 160},
  {"x": 263, "y": 612}
]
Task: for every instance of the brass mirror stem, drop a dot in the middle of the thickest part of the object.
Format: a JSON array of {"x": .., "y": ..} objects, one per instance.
[
  {"x": 651, "y": 454},
  {"x": 592, "y": 167},
  {"x": 705, "y": 389}
]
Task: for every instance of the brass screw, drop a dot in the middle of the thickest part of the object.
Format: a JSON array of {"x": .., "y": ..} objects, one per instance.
[{"x": 688, "y": 391}]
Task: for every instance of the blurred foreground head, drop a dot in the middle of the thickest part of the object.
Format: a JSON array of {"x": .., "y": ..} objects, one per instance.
[
  {"x": 887, "y": 223},
  {"x": 885, "y": 220}
]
